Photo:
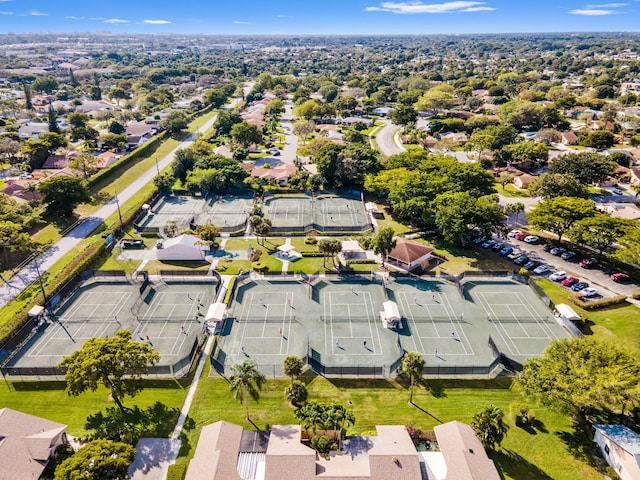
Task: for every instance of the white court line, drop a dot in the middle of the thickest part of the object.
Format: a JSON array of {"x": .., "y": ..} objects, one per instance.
[
  {"x": 545, "y": 326},
  {"x": 499, "y": 327},
  {"x": 418, "y": 336},
  {"x": 460, "y": 330}
]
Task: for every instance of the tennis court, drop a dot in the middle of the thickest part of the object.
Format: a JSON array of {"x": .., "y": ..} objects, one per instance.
[
  {"x": 228, "y": 212},
  {"x": 167, "y": 316},
  {"x": 336, "y": 324},
  {"x": 325, "y": 212}
]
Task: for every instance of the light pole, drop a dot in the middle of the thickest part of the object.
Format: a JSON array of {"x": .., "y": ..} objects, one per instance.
[
  {"x": 44, "y": 294},
  {"x": 119, "y": 213},
  {"x": 157, "y": 168}
]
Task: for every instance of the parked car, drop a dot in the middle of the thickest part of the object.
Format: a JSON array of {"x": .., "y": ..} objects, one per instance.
[
  {"x": 579, "y": 286},
  {"x": 531, "y": 265},
  {"x": 520, "y": 236},
  {"x": 590, "y": 292},
  {"x": 558, "y": 276},
  {"x": 513, "y": 233},
  {"x": 514, "y": 255},
  {"x": 547, "y": 247},
  {"x": 620, "y": 277},
  {"x": 489, "y": 243},
  {"x": 556, "y": 251},
  {"x": 521, "y": 260},
  {"x": 506, "y": 250},
  {"x": 479, "y": 240},
  {"x": 588, "y": 262},
  {"x": 532, "y": 239},
  {"x": 617, "y": 191},
  {"x": 541, "y": 269},
  {"x": 159, "y": 244},
  {"x": 569, "y": 255},
  {"x": 567, "y": 282},
  {"x": 497, "y": 246}
]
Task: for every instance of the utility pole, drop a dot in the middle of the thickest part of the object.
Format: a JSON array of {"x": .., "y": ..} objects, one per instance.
[
  {"x": 119, "y": 213},
  {"x": 44, "y": 294}
]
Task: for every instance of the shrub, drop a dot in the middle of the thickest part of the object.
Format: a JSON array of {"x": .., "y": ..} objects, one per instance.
[
  {"x": 310, "y": 240},
  {"x": 361, "y": 261},
  {"x": 259, "y": 267},
  {"x": 323, "y": 444},
  {"x": 597, "y": 304},
  {"x": 229, "y": 293},
  {"x": 311, "y": 253}
]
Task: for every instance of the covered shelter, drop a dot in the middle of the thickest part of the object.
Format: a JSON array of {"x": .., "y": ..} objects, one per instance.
[
  {"x": 409, "y": 255},
  {"x": 568, "y": 313},
  {"x": 390, "y": 315},
  {"x": 352, "y": 249},
  {"x": 215, "y": 313},
  {"x": 181, "y": 248}
]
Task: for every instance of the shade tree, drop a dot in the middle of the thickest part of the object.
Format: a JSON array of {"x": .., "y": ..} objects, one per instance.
[
  {"x": 559, "y": 214},
  {"x": 246, "y": 381}
]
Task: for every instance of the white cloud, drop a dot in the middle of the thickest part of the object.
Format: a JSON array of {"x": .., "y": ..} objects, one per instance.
[
  {"x": 37, "y": 13},
  {"x": 156, "y": 22},
  {"x": 116, "y": 20},
  {"x": 284, "y": 16},
  {"x": 237, "y": 22},
  {"x": 607, "y": 5},
  {"x": 73, "y": 17},
  {"x": 592, "y": 12},
  {"x": 4, "y": 1},
  {"x": 6, "y": 13},
  {"x": 405, "y": 8}
]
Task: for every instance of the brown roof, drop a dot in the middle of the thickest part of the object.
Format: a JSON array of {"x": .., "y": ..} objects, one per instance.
[
  {"x": 408, "y": 251},
  {"x": 287, "y": 457},
  {"x": 281, "y": 171},
  {"x": 55, "y": 162},
  {"x": 17, "y": 190},
  {"x": 216, "y": 455},
  {"x": 463, "y": 453},
  {"x": 26, "y": 443}
]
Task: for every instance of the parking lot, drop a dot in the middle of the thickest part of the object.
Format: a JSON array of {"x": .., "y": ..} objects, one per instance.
[{"x": 596, "y": 277}]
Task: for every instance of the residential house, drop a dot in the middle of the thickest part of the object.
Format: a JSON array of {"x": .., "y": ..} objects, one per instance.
[
  {"x": 56, "y": 162},
  {"x": 569, "y": 138},
  {"x": 627, "y": 211},
  {"x": 383, "y": 111},
  {"x": 523, "y": 180},
  {"x": 139, "y": 134},
  {"x": 349, "y": 121},
  {"x": 409, "y": 255},
  {"x": 280, "y": 174},
  {"x": 620, "y": 447},
  {"x": 32, "y": 131},
  {"x": 634, "y": 176},
  {"x": 227, "y": 452},
  {"x": 27, "y": 443},
  {"x": 21, "y": 190}
]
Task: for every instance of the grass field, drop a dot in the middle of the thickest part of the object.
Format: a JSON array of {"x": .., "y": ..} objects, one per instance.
[
  {"x": 541, "y": 455},
  {"x": 511, "y": 191}
]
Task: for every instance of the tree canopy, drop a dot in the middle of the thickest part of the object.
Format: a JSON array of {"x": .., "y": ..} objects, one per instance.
[
  {"x": 98, "y": 460},
  {"x": 63, "y": 194},
  {"x": 559, "y": 214},
  {"x": 116, "y": 362},
  {"x": 587, "y": 167}
]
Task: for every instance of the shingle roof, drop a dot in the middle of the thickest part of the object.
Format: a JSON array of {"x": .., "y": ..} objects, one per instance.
[
  {"x": 25, "y": 443},
  {"x": 408, "y": 251},
  {"x": 216, "y": 456}
]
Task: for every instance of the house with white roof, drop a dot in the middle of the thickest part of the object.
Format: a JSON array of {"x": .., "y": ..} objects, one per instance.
[{"x": 620, "y": 447}]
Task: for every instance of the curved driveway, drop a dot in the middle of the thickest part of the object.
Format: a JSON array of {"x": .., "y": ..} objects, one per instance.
[{"x": 29, "y": 274}]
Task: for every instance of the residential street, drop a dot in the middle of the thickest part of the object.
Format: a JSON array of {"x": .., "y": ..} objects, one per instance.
[
  {"x": 385, "y": 139},
  {"x": 29, "y": 274},
  {"x": 288, "y": 153}
]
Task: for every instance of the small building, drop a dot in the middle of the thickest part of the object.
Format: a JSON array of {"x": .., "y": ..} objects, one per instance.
[
  {"x": 620, "y": 447},
  {"x": 390, "y": 315},
  {"x": 568, "y": 138},
  {"x": 280, "y": 174},
  {"x": 523, "y": 181},
  {"x": 627, "y": 211},
  {"x": 182, "y": 248},
  {"x": 27, "y": 443},
  {"x": 373, "y": 209},
  {"x": 409, "y": 255},
  {"x": 568, "y": 313}
]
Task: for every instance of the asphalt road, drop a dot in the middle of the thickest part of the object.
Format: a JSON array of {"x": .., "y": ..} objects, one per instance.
[
  {"x": 288, "y": 153},
  {"x": 385, "y": 141},
  {"x": 44, "y": 262}
]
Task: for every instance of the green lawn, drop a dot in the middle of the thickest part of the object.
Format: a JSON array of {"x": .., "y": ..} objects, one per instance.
[
  {"x": 511, "y": 191},
  {"x": 471, "y": 258},
  {"x": 540, "y": 455},
  {"x": 49, "y": 400},
  {"x": 232, "y": 267},
  {"x": 621, "y": 321},
  {"x": 388, "y": 221}
]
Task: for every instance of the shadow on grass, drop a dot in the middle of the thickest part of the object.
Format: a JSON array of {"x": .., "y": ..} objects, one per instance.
[
  {"x": 511, "y": 464},
  {"x": 425, "y": 411},
  {"x": 533, "y": 427},
  {"x": 39, "y": 386},
  {"x": 372, "y": 383}
]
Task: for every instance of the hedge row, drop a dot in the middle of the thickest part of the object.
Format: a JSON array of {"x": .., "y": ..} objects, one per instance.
[
  {"x": 363, "y": 261},
  {"x": 229, "y": 293},
  {"x": 597, "y": 304},
  {"x": 311, "y": 253}
]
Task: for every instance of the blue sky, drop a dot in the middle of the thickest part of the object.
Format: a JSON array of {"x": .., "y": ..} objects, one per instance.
[{"x": 318, "y": 17}]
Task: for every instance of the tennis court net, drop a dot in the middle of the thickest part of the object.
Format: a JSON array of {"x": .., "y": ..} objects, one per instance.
[
  {"x": 125, "y": 320},
  {"x": 260, "y": 319},
  {"x": 541, "y": 319},
  {"x": 336, "y": 319},
  {"x": 439, "y": 319}
]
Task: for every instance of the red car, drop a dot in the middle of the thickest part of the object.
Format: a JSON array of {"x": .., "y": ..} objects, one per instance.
[
  {"x": 567, "y": 282},
  {"x": 520, "y": 236},
  {"x": 620, "y": 278}
]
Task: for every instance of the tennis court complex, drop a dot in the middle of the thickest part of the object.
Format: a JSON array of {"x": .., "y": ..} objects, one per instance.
[
  {"x": 168, "y": 316},
  {"x": 229, "y": 212},
  {"x": 324, "y": 212},
  {"x": 335, "y": 324}
]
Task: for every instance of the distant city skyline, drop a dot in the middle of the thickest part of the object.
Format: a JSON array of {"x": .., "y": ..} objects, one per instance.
[{"x": 327, "y": 17}]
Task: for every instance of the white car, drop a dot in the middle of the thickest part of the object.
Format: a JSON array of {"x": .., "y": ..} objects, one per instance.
[
  {"x": 531, "y": 239},
  {"x": 617, "y": 191},
  {"x": 539, "y": 270},
  {"x": 558, "y": 276},
  {"x": 589, "y": 292},
  {"x": 513, "y": 233}
]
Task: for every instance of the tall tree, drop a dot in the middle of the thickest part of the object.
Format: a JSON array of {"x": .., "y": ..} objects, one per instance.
[
  {"x": 63, "y": 194},
  {"x": 28, "y": 104},
  {"x": 246, "y": 134},
  {"x": 174, "y": 122},
  {"x": 384, "y": 242},
  {"x": 490, "y": 426},
  {"x": 404, "y": 115},
  {"x": 303, "y": 128},
  {"x": 246, "y": 381},
  {"x": 330, "y": 247},
  {"x": 97, "y": 460},
  {"x": 559, "y": 214},
  {"x": 413, "y": 366},
  {"x": 550, "y": 185},
  {"x": 517, "y": 208},
  {"x": 86, "y": 163},
  {"x": 587, "y": 167},
  {"x": 52, "y": 119},
  {"x": 116, "y": 362},
  {"x": 292, "y": 367},
  {"x": 600, "y": 232},
  {"x": 586, "y": 375}
]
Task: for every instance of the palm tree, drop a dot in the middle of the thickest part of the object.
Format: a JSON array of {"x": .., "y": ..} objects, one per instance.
[
  {"x": 413, "y": 365},
  {"x": 489, "y": 426},
  {"x": 636, "y": 188},
  {"x": 517, "y": 208},
  {"x": 330, "y": 247},
  {"x": 292, "y": 367},
  {"x": 246, "y": 381}
]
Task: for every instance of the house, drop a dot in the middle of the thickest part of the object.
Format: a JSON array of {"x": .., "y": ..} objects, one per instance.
[
  {"x": 27, "y": 443},
  {"x": 349, "y": 121},
  {"x": 634, "y": 176},
  {"x": 383, "y": 111},
  {"x": 524, "y": 180},
  {"x": 182, "y": 248},
  {"x": 620, "y": 447},
  {"x": 32, "y": 131},
  {"x": 106, "y": 159},
  {"x": 627, "y": 211},
  {"x": 56, "y": 162},
  {"x": 464, "y": 455},
  {"x": 280, "y": 174},
  {"x": 569, "y": 138},
  {"x": 228, "y": 452},
  {"x": 21, "y": 190},
  {"x": 409, "y": 255}
]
